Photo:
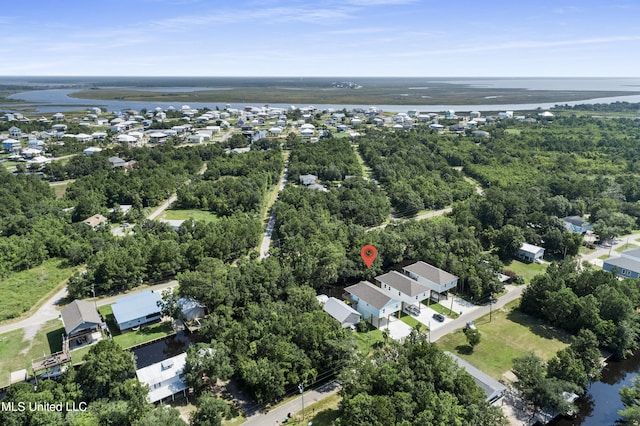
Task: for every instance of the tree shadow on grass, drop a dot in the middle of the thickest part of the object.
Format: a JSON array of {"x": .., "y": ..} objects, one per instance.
[
  {"x": 538, "y": 326},
  {"x": 326, "y": 417},
  {"x": 464, "y": 349}
]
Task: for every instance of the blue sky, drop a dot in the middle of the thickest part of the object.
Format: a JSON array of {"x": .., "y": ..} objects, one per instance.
[{"x": 321, "y": 38}]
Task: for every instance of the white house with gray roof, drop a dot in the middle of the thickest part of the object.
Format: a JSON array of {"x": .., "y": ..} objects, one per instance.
[
  {"x": 374, "y": 304},
  {"x": 403, "y": 288},
  {"x": 436, "y": 279}
]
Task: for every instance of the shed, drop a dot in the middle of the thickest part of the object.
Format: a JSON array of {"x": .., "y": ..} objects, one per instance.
[
  {"x": 345, "y": 314},
  {"x": 190, "y": 308},
  {"x": 137, "y": 309}
]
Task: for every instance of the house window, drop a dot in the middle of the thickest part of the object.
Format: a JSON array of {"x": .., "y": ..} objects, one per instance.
[
  {"x": 398, "y": 293},
  {"x": 416, "y": 297},
  {"x": 383, "y": 310}
]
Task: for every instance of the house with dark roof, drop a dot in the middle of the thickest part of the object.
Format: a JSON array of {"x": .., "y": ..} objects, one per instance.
[
  {"x": 576, "y": 224},
  {"x": 403, "y": 288},
  {"x": 137, "y": 309},
  {"x": 492, "y": 388},
  {"x": 82, "y": 323},
  {"x": 437, "y": 280},
  {"x": 343, "y": 313},
  {"x": 374, "y": 304}
]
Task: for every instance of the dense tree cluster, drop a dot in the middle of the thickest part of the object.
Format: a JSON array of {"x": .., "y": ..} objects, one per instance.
[
  {"x": 415, "y": 175},
  {"x": 264, "y": 327},
  {"x": 592, "y": 300},
  {"x": 234, "y": 183},
  {"x": 414, "y": 383},
  {"x": 330, "y": 159}
]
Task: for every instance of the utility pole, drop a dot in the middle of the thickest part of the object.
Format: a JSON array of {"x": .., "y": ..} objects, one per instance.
[
  {"x": 490, "y": 305},
  {"x": 301, "y": 389}
]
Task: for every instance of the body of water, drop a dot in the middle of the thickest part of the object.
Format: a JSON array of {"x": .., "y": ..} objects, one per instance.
[
  {"x": 166, "y": 348},
  {"x": 57, "y": 99},
  {"x": 602, "y": 401}
]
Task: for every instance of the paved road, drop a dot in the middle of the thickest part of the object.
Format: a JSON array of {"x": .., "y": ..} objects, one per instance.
[
  {"x": 609, "y": 250},
  {"x": 279, "y": 414}
]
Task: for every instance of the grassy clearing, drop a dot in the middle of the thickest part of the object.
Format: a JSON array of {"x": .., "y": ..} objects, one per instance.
[
  {"x": 510, "y": 334},
  {"x": 322, "y": 413},
  {"x": 526, "y": 270},
  {"x": 17, "y": 353},
  {"x": 513, "y": 131},
  {"x": 133, "y": 338},
  {"x": 26, "y": 290},
  {"x": 187, "y": 214},
  {"x": 367, "y": 341},
  {"x": 627, "y": 246},
  {"x": 443, "y": 310},
  {"x": 60, "y": 188}
]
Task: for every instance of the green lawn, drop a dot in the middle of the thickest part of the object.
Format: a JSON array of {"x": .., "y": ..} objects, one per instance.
[
  {"x": 513, "y": 131},
  {"x": 409, "y": 320},
  {"x": 27, "y": 290},
  {"x": 368, "y": 340},
  {"x": 510, "y": 334},
  {"x": 627, "y": 246},
  {"x": 187, "y": 214},
  {"x": 443, "y": 310},
  {"x": 133, "y": 338},
  {"x": 322, "y": 413},
  {"x": 526, "y": 270},
  {"x": 17, "y": 353}
]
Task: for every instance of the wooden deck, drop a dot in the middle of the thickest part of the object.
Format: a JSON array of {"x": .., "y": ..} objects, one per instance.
[{"x": 52, "y": 360}]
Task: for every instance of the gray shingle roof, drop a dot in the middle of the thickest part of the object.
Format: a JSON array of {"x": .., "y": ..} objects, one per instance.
[
  {"x": 402, "y": 283},
  {"x": 370, "y": 293},
  {"x": 431, "y": 273},
  {"x": 575, "y": 220},
  {"x": 77, "y": 313},
  {"x": 624, "y": 262},
  {"x": 338, "y": 309}
]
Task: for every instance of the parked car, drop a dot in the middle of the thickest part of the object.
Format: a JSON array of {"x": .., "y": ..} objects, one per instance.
[
  {"x": 412, "y": 309},
  {"x": 438, "y": 317},
  {"x": 471, "y": 325}
]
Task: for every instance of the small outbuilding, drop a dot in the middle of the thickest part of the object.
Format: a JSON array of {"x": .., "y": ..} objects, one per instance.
[
  {"x": 190, "y": 308},
  {"x": 345, "y": 314}
]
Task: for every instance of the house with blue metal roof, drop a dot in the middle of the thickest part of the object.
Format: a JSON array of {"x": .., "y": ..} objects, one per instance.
[{"x": 137, "y": 309}]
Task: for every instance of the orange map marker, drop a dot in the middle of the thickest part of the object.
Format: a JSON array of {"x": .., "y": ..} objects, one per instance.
[{"x": 368, "y": 254}]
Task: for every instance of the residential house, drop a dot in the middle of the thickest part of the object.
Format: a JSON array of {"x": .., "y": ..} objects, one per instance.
[
  {"x": 91, "y": 151},
  {"x": 137, "y": 309},
  {"x": 58, "y": 116},
  {"x": 343, "y": 313},
  {"x": 308, "y": 179},
  {"x": 576, "y": 224},
  {"x": 627, "y": 265},
  {"x": 437, "y": 280},
  {"x": 374, "y": 304},
  {"x": 82, "y": 323},
  {"x": 117, "y": 162},
  {"x": 15, "y": 132},
  {"x": 175, "y": 224},
  {"x": 11, "y": 146},
  {"x": 95, "y": 221},
  {"x": 165, "y": 378},
  {"x": 530, "y": 253},
  {"x": 403, "y": 288}
]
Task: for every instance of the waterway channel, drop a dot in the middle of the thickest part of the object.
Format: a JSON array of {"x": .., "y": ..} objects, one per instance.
[
  {"x": 162, "y": 349},
  {"x": 602, "y": 401}
]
